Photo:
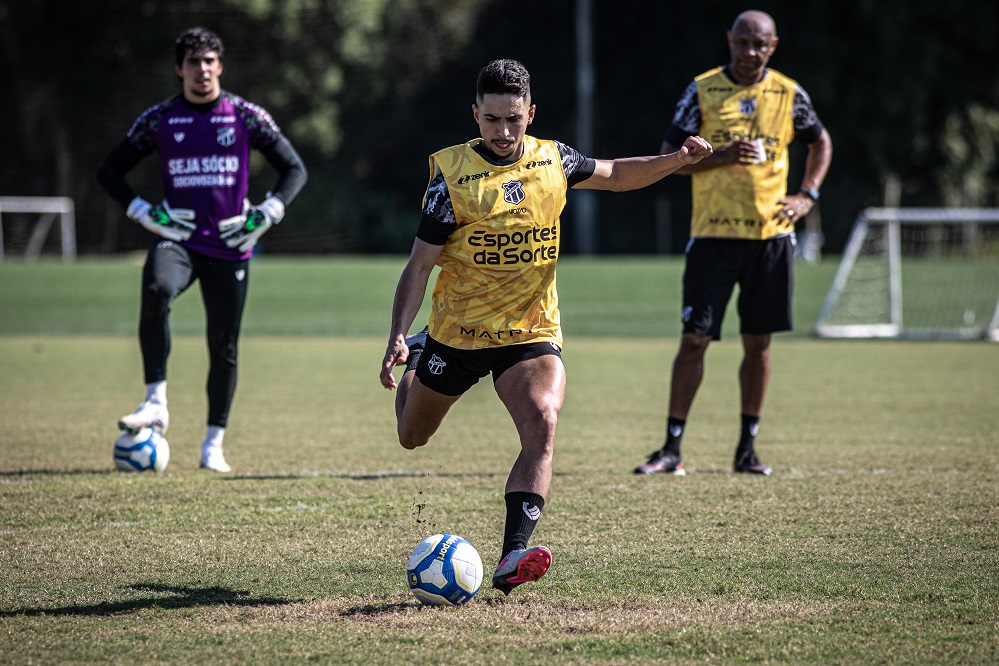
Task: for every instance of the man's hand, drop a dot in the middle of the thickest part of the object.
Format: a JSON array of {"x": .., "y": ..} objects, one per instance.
[
  {"x": 243, "y": 231},
  {"x": 174, "y": 224},
  {"x": 694, "y": 149},
  {"x": 397, "y": 353}
]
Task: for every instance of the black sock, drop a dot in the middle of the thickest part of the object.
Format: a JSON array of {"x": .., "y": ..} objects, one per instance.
[
  {"x": 523, "y": 510},
  {"x": 747, "y": 439},
  {"x": 674, "y": 434}
]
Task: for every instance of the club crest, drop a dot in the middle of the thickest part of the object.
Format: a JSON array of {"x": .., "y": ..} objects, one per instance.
[
  {"x": 178, "y": 136},
  {"x": 436, "y": 364},
  {"x": 747, "y": 107},
  {"x": 513, "y": 192},
  {"x": 226, "y": 136}
]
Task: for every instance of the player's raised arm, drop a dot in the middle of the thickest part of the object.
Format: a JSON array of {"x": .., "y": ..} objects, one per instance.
[{"x": 632, "y": 173}]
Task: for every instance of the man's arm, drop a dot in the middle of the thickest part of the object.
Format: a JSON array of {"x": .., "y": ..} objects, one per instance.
[
  {"x": 111, "y": 174},
  {"x": 632, "y": 173},
  {"x": 408, "y": 299},
  {"x": 292, "y": 174}
]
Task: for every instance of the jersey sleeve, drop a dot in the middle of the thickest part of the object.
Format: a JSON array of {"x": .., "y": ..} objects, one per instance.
[
  {"x": 807, "y": 126},
  {"x": 577, "y": 166},
  {"x": 259, "y": 123},
  {"x": 142, "y": 135},
  {"x": 438, "y": 220},
  {"x": 686, "y": 118}
]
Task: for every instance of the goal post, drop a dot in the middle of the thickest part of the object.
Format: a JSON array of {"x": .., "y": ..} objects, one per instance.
[
  {"x": 917, "y": 273},
  {"x": 48, "y": 209}
]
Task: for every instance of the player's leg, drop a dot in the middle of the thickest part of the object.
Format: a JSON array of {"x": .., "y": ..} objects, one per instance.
[
  {"x": 708, "y": 280},
  {"x": 765, "y": 298},
  {"x": 533, "y": 391},
  {"x": 224, "y": 286},
  {"x": 166, "y": 274}
]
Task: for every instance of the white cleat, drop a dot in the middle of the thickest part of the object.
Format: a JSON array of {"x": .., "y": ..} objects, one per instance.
[
  {"x": 214, "y": 460},
  {"x": 148, "y": 415}
]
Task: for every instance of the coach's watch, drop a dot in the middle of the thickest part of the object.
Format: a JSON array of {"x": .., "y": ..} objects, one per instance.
[{"x": 811, "y": 193}]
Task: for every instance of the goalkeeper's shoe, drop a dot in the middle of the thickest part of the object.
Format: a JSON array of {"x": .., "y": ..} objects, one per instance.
[
  {"x": 748, "y": 463},
  {"x": 521, "y": 566},
  {"x": 662, "y": 462},
  {"x": 149, "y": 415},
  {"x": 213, "y": 459},
  {"x": 416, "y": 344}
]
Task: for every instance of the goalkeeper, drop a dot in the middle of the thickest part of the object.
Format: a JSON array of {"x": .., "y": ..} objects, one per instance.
[{"x": 205, "y": 227}]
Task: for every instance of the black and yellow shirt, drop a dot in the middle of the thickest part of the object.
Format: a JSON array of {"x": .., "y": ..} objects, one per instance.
[
  {"x": 496, "y": 284},
  {"x": 738, "y": 200}
]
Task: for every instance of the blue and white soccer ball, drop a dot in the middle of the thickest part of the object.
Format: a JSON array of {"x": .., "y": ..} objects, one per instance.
[
  {"x": 444, "y": 570},
  {"x": 143, "y": 451}
]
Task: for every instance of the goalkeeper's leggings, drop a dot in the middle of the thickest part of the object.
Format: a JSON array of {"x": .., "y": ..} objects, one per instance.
[{"x": 170, "y": 269}]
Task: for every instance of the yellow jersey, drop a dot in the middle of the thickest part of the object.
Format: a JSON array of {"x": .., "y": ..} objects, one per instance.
[
  {"x": 496, "y": 284},
  {"x": 739, "y": 200}
]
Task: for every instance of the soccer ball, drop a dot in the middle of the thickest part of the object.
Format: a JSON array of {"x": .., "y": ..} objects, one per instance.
[
  {"x": 444, "y": 570},
  {"x": 145, "y": 450}
]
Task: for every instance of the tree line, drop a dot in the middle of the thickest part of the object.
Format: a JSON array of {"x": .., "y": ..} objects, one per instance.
[{"x": 367, "y": 89}]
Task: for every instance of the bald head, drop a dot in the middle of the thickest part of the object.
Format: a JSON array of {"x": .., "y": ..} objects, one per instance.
[{"x": 756, "y": 21}]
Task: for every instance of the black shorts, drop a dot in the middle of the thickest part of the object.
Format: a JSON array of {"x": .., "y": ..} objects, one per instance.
[
  {"x": 451, "y": 371},
  {"x": 763, "y": 271}
]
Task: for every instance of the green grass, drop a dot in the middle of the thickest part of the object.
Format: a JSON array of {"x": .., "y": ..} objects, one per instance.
[{"x": 876, "y": 540}]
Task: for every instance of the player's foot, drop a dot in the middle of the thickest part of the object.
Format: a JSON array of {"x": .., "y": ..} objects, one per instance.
[
  {"x": 748, "y": 463},
  {"x": 416, "y": 344},
  {"x": 148, "y": 415},
  {"x": 521, "y": 566},
  {"x": 214, "y": 460},
  {"x": 662, "y": 462}
]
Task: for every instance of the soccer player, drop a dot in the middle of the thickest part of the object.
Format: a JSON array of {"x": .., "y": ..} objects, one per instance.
[
  {"x": 205, "y": 228},
  {"x": 742, "y": 226},
  {"x": 491, "y": 222}
]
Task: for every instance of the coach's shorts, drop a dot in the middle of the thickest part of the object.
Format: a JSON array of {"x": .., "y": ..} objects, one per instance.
[
  {"x": 453, "y": 371},
  {"x": 763, "y": 271}
]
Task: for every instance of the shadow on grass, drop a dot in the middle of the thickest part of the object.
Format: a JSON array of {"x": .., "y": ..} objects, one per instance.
[
  {"x": 55, "y": 472},
  {"x": 181, "y": 597},
  {"x": 367, "y": 476}
]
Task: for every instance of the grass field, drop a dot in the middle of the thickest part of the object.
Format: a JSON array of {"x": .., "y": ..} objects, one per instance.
[{"x": 876, "y": 540}]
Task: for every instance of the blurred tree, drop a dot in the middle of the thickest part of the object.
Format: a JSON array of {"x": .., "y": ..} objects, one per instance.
[{"x": 368, "y": 88}]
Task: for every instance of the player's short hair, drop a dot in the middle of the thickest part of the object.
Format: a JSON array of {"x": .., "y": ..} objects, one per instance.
[
  {"x": 197, "y": 40},
  {"x": 501, "y": 77}
]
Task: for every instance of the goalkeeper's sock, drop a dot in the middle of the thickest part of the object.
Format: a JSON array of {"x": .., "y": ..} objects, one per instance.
[
  {"x": 523, "y": 510},
  {"x": 674, "y": 435},
  {"x": 747, "y": 439},
  {"x": 213, "y": 438},
  {"x": 156, "y": 392}
]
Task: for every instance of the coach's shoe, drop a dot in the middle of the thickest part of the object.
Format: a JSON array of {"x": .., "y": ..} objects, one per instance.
[
  {"x": 416, "y": 344},
  {"x": 662, "y": 462},
  {"x": 148, "y": 415},
  {"x": 213, "y": 459},
  {"x": 521, "y": 566},
  {"x": 748, "y": 463}
]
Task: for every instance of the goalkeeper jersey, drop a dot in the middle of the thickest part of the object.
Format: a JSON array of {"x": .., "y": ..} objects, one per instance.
[
  {"x": 496, "y": 284},
  {"x": 204, "y": 153}
]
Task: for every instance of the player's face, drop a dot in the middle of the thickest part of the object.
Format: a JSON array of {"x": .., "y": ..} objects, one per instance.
[
  {"x": 751, "y": 47},
  {"x": 200, "y": 74},
  {"x": 503, "y": 121}
]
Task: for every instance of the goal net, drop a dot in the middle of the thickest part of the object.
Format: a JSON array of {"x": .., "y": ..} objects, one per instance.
[{"x": 917, "y": 273}]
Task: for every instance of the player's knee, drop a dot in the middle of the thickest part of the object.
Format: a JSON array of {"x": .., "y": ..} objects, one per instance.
[{"x": 411, "y": 439}]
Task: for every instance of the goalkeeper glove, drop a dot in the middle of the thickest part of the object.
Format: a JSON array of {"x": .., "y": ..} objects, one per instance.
[
  {"x": 171, "y": 223},
  {"x": 243, "y": 231}
]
